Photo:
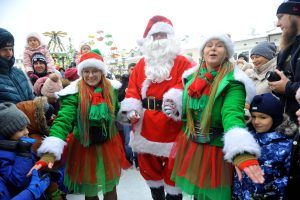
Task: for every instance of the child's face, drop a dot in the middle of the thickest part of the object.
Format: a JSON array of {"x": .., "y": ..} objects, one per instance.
[
  {"x": 85, "y": 49},
  {"x": 33, "y": 42},
  {"x": 39, "y": 66},
  {"x": 261, "y": 122},
  {"x": 22, "y": 133}
]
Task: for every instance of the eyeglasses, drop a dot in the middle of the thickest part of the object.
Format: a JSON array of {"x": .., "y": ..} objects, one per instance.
[{"x": 92, "y": 72}]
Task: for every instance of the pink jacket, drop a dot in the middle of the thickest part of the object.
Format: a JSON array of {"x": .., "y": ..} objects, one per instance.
[{"x": 28, "y": 55}]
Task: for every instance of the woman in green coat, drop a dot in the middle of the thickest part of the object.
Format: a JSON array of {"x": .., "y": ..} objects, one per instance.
[
  {"x": 214, "y": 135},
  {"x": 95, "y": 153}
]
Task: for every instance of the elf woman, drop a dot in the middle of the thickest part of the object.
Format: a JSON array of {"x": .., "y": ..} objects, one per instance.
[
  {"x": 214, "y": 128},
  {"x": 95, "y": 154}
]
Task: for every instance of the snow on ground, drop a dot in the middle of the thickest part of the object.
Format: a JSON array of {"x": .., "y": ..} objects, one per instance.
[{"x": 132, "y": 186}]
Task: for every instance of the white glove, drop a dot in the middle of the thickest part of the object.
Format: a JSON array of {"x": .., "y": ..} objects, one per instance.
[
  {"x": 132, "y": 114},
  {"x": 169, "y": 107}
]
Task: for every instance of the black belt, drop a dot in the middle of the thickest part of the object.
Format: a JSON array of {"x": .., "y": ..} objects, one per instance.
[
  {"x": 209, "y": 137},
  {"x": 151, "y": 103}
]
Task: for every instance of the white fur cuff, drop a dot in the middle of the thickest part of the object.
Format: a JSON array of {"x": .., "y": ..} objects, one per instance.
[
  {"x": 129, "y": 104},
  {"x": 238, "y": 141},
  {"x": 53, "y": 145}
]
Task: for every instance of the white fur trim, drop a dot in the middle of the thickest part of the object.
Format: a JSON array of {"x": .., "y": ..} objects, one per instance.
[
  {"x": 238, "y": 141},
  {"x": 176, "y": 96},
  {"x": 53, "y": 145},
  {"x": 145, "y": 86},
  {"x": 115, "y": 84},
  {"x": 161, "y": 27},
  {"x": 129, "y": 104},
  {"x": 155, "y": 184},
  {"x": 190, "y": 71},
  {"x": 172, "y": 190},
  {"x": 140, "y": 144},
  {"x": 241, "y": 76},
  {"x": 92, "y": 62},
  {"x": 70, "y": 89},
  {"x": 220, "y": 36},
  {"x": 140, "y": 41}
]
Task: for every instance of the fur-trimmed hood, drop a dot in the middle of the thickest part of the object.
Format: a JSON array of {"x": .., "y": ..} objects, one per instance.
[{"x": 287, "y": 127}]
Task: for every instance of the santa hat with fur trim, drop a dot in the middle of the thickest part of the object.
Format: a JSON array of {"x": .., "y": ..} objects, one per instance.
[
  {"x": 220, "y": 36},
  {"x": 34, "y": 35},
  {"x": 157, "y": 24},
  {"x": 91, "y": 59}
]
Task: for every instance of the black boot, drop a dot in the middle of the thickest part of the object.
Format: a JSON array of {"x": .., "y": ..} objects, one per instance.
[
  {"x": 174, "y": 197},
  {"x": 158, "y": 193}
]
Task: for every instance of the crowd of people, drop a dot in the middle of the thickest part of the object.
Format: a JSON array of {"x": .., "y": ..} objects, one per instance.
[{"x": 217, "y": 129}]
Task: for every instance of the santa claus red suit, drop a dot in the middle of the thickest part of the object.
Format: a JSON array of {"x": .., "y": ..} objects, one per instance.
[{"x": 155, "y": 81}]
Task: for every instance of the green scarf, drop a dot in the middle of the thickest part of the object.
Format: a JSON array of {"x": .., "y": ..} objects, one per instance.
[{"x": 99, "y": 110}]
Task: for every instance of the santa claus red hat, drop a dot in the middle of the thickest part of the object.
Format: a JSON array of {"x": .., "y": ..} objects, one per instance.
[
  {"x": 159, "y": 24},
  {"x": 91, "y": 59}
]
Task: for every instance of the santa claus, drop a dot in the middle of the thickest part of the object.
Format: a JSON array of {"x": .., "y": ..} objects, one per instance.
[{"x": 153, "y": 105}]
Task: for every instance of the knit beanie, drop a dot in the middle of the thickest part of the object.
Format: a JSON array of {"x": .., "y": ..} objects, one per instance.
[
  {"x": 12, "y": 120},
  {"x": 71, "y": 74},
  {"x": 38, "y": 57},
  {"x": 51, "y": 86},
  {"x": 34, "y": 35},
  {"x": 241, "y": 55},
  {"x": 268, "y": 104},
  {"x": 6, "y": 38},
  {"x": 289, "y": 7},
  {"x": 264, "y": 49}
]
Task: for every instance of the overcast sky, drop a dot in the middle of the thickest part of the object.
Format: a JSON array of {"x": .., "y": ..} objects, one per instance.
[{"x": 126, "y": 19}]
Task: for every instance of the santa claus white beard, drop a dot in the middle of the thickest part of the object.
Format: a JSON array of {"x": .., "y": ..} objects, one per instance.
[{"x": 159, "y": 58}]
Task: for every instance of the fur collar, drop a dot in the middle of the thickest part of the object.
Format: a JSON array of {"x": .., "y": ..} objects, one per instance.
[{"x": 73, "y": 87}]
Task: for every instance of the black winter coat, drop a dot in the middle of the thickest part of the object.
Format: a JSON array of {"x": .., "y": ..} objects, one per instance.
[{"x": 288, "y": 61}]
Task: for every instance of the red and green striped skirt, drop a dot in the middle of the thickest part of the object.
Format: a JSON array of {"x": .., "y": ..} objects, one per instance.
[
  {"x": 200, "y": 170},
  {"x": 96, "y": 168}
]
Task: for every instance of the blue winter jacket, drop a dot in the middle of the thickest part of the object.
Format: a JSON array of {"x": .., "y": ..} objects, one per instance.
[
  {"x": 13, "y": 170},
  {"x": 14, "y": 84},
  {"x": 275, "y": 162},
  {"x": 4, "y": 193}
]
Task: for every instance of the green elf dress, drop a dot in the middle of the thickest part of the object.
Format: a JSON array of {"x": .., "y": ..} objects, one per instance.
[
  {"x": 94, "y": 155},
  {"x": 199, "y": 155}
]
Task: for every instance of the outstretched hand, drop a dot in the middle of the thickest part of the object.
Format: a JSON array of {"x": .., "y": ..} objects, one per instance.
[
  {"x": 39, "y": 166},
  {"x": 254, "y": 172}
]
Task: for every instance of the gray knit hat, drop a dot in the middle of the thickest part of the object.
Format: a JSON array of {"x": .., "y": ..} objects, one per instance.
[
  {"x": 12, "y": 120},
  {"x": 264, "y": 49}
]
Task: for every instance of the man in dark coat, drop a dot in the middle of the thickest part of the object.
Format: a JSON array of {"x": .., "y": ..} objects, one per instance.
[
  {"x": 288, "y": 68},
  {"x": 14, "y": 84}
]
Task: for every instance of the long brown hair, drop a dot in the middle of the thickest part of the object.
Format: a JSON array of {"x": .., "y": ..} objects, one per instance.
[
  {"x": 205, "y": 122},
  {"x": 85, "y": 98}
]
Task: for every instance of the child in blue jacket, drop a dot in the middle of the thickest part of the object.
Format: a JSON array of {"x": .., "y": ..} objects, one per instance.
[
  {"x": 272, "y": 131},
  {"x": 16, "y": 158}
]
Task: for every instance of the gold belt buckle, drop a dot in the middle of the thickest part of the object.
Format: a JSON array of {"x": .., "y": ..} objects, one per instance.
[{"x": 154, "y": 102}]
